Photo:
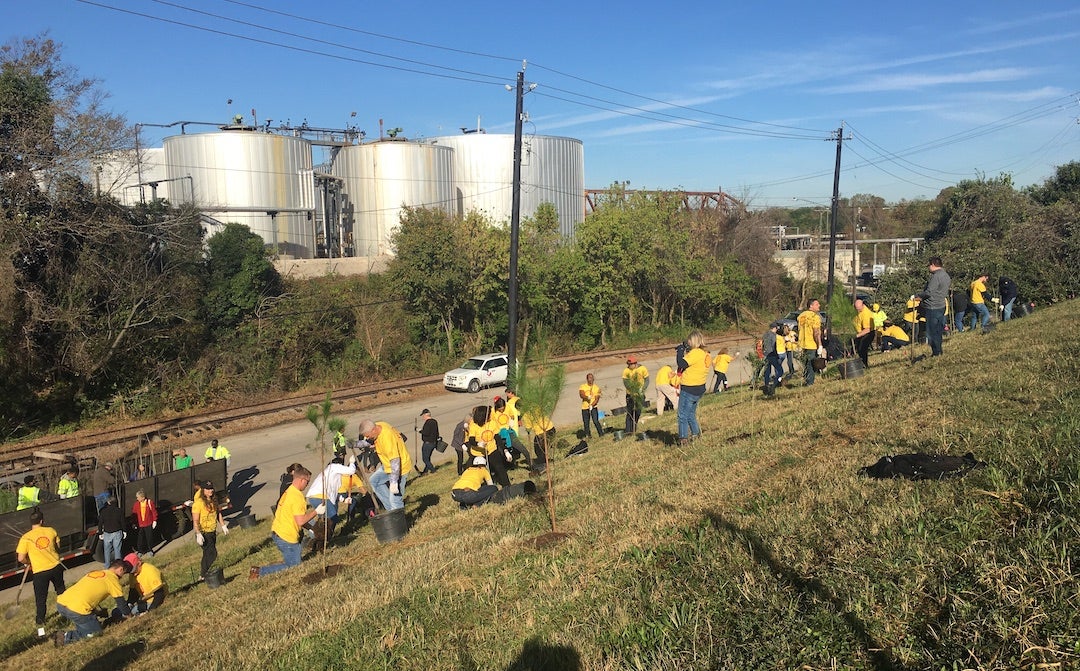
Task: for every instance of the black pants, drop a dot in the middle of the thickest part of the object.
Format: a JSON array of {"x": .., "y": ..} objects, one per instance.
[
  {"x": 538, "y": 445},
  {"x": 497, "y": 463},
  {"x": 55, "y": 576},
  {"x": 209, "y": 551},
  {"x": 426, "y": 451},
  {"x": 145, "y": 540},
  {"x": 477, "y": 497},
  {"x": 633, "y": 414},
  {"x": 862, "y": 347}
]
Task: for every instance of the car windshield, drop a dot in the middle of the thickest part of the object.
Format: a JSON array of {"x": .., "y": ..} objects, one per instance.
[{"x": 473, "y": 364}]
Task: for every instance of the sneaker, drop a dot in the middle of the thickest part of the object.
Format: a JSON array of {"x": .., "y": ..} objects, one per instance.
[
  {"x": 253, "y": 574},
  {"x": 41, "y": 632}
]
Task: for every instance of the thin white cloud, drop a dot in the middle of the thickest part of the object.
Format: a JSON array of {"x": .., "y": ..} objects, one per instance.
[
  {"x": 912, "y": 81},
  {"x": 1000, "y": 26}
]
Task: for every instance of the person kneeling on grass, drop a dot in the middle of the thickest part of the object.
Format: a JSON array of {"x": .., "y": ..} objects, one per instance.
[
  {"x": 148, "y": 588},
  {"x": 291, "y": 515},
  {"x": 893, "y": 337},
  {"x": 474, "y": 487},
  {"x": 79, "y": 602}
]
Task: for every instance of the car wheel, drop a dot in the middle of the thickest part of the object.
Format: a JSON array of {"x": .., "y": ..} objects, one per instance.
[{"x": 474, "y": 386}]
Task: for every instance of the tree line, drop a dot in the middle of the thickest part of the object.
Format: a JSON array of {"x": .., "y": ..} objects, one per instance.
[{"x": 131, "y": 311}]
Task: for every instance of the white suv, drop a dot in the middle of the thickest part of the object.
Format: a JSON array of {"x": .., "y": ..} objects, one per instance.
[{"x": 486, "y": 370}]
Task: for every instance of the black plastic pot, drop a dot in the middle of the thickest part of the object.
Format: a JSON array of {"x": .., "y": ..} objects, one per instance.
[
  {"x": 215, "y": 578},
  {"x": 851, "y": 369},
  {"x": 390, "y": 526}
]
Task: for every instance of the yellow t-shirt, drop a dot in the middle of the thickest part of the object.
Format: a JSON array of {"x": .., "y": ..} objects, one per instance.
[
  {"x": 40, "y": 545},
  {"x": 697, "y": 362},
  {"x": 350, "y": 484},
  {"x": 641, "y": 373},
  {"x": 84, "y": 596},
  {"x": 484, "y": 434},
  {"x": 977, "y": 291},
  {"x": 781, "y": 346},
  {"x": 511, "y": 409},
  {"x": 536, "y": 422},
  {"x": 809, "y": 321},
  {"x": 208, "y": 518},
  {"x": 473, "y": 478},
  {"x": 592, "y": 395},
  {"x": 390, "y": 446},
  {"x": 864, "y": 320},
  {"x": 722, "y": 362},
  {"x": 664, "y": 375},
  {"x": 148, "y": 580},
  {"x": 895, "y": 331},
  {"x": 291, "y": 504}
]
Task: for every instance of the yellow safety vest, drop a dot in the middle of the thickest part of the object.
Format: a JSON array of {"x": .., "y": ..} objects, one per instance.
[{"x": 28, "y": 497}]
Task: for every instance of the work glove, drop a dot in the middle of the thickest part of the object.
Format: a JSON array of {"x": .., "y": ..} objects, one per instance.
[
  {"x": 509, "y": 457},
  {"x": 352, "y": 459},
  {"x": 199, "y": 539},
  {"x": 124, "y": 535},
  {"x": 394, "y": 488},
  {"x": 481, "y": 444},
  {"x": 348, "y": 501},
  {"x": 320, "y": 509},
  {"x": 153, "y": 525},
  {"x": 821, "y": 352},
  {"x": 224, "y": 530},
  {"x": 189, "y": 503}
]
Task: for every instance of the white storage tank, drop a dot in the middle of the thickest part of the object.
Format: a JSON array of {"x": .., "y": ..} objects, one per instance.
[
  {"x": 130, "y": 181},
  {"x": 552, "y": 171},
  {"x": 379, "y": 178},
  {"x": 261, "y": 180}
]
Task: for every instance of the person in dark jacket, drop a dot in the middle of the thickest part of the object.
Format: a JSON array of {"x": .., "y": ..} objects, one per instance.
[
  {"x": 429, "y": 438},
  {"x": 1008, "y": 292},
  {"x": 111, "y": 525},
  {"x": 774, "y": 370},
  {"x": 959, "y": 308}
]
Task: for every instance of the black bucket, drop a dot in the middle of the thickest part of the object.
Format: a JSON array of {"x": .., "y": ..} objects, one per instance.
[
  {"x": 390, "y": 526},
  {"x": 215, "y": 578},
  {"x": 245, "y": 522},
  {"x": 851, "y": 369}
]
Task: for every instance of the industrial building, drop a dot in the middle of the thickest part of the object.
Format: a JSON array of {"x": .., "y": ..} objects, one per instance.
[{"x": 349, "y": 204}]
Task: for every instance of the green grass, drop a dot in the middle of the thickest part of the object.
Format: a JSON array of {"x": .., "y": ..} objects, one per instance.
[{"x": 756, "y": 548}]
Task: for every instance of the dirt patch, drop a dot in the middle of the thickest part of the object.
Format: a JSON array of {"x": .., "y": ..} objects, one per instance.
[
  {"x": 318, "y": 576},
  {"x": 547, "y": 540}
]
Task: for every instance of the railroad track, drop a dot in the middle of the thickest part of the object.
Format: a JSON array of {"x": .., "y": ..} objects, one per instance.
[{"x": 161, "y": 435}]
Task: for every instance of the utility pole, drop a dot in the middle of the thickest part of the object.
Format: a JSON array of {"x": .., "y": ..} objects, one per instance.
[
  {"x": 515, "y": 222},
  {"x": 833, "y": 214}
]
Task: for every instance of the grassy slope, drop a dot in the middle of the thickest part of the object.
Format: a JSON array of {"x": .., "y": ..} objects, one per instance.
[{"x": 758, "y": 547}]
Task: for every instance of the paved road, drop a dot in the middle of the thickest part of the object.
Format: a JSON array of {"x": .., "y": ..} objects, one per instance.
[{"x": 259, "y": 457}]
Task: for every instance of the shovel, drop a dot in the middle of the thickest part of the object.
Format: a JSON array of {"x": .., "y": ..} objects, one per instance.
[{"x": 13, "y": 609}]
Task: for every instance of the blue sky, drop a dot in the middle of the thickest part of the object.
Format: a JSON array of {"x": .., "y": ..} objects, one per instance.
[{"x": 741, "y": 96}]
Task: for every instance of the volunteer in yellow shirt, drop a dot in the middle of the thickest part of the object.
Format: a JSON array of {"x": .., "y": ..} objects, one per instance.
[
  {"x": 205, "y": 517},
  {"x": 388, "y": 482},
  {"x": 720, "y": 368},
  {"x": 810, "y": 338},
  {"x": 483, "y": 428},
  {"x": 693, "y": 361},
  {"x": 981, "y": 315},
  {"x": 79, "y": 601},
  {"x": 148, "y": 588},
  {"x": 635, "y": 379},
  {"x": 665, "y": 390},
  {"x": 893, "y": 337},
  {"x": 39, "y": 549},
  {"x": 290, "y": 516},
  {"x": 864, "y": 330},
  {"x": 590, "y": 397},
  {"x": 474, "y": 487}
]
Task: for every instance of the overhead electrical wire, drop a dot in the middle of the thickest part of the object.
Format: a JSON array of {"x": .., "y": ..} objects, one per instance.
[{"x": 290, "y": 47}]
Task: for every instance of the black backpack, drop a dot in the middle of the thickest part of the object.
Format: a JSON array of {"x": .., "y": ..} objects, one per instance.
[{"x": 921, "y": 466}]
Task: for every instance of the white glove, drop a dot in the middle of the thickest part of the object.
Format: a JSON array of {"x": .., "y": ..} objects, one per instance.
[
  {"x": 821, "y": 352},
  {"x": 394, "y": 488},
  {"x": 199, "y": 538},
  {"x": 125, "y": 535},
  {"x": 348, "y": 501},
  {"x": 189, "y": 503},
  {"x": 481, "y": 444},
  {"x": 320, "y": 509},
  {"x": 509, "y": 457},
  {"x": 153, "y": 525},
  {"x": 224, "y": 530},
  {"x": 352, "y": 459}
]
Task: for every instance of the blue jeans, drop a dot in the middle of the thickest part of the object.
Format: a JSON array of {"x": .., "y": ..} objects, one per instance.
[
  {"x": 687, "y": 412},
  {"x": 773, "y": 368},
  {"x": 380, "y": 484},
  {"x": 331, "y": 506},
  {"x": 290, "y": 553},
  {"x": 1006, "y": 310},
  {"x": 111, "y": 542},
  {"x": 935, "y": 329},
  {"x": 85, "y": 625},
  {"x": 982, "y": 314},
  {"x": 591, "y": 415}
]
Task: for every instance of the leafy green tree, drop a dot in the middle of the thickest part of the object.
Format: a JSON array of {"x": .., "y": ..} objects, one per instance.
[
  {"x": 1064, "y": 185},
  {"x": 240, "y": 277}
]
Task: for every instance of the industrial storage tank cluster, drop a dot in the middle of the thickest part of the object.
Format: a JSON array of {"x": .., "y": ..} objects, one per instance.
[
  {"x": 262, "y": 180},
  {"x": 267, "y": 182}
]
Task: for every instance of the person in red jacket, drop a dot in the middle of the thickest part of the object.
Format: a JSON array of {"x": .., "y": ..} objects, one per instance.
[{"x": 145, "y": 513}]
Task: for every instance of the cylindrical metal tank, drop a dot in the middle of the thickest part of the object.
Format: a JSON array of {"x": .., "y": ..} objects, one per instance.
[
  {"x": 552, "y": 171},
  {"x": 261, "y": 180},
  {"x": 379, "y": 178},
  {"x": 131, "y": 177}
]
